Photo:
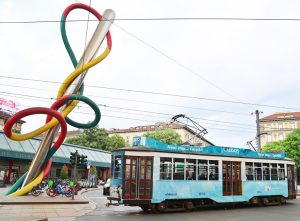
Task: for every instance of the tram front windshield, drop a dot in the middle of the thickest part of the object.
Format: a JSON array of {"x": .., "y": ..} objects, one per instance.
[{"x": 117, "y": 164}]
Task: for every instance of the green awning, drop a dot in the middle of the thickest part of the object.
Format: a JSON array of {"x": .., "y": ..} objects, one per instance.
[{"x": 27, "y": 149}]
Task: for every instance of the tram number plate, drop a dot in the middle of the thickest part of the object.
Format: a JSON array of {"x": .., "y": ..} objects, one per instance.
[{"x": 201, "y": 193}]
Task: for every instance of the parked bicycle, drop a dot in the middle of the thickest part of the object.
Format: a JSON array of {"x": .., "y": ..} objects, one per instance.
[
  {"x": 39, "y": 189},
  {"x": 60, "y": 188}
]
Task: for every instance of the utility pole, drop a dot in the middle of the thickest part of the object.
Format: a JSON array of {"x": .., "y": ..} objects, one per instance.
[
  {"x": 257, "y": 112},
  {"x": 73, "y": 160}
]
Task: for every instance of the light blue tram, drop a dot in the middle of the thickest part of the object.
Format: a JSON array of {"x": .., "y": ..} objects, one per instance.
[{"x": 159, "y": 177}]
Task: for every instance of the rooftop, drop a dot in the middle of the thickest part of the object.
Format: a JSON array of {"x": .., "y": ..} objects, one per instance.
[
  {"x": 146, "y": 128},
  {"x": 159, "y": 125},
  {"x": 282, "y": 116},
  {"x": 27, "y": 149}
]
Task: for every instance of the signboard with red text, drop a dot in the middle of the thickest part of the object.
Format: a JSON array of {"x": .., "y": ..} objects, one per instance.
[{"x": 9, "y": 106}]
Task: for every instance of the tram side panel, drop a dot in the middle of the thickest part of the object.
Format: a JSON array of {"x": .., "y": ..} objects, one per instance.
[{"x": 200, "y": 189}]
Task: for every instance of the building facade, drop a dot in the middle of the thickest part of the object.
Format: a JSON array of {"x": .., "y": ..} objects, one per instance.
[
  {"x": 16, "y": 157},
  {"x": 185, "y": 133},
  {"x": 17, "y": 127},
  {"x": 277, "y": 126}
]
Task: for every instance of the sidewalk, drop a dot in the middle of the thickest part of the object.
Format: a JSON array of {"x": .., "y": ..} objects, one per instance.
[{"x": 43, "y": 207}]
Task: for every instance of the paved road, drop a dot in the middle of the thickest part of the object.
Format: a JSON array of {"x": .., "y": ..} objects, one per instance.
[{"x": 289, "y": 212}]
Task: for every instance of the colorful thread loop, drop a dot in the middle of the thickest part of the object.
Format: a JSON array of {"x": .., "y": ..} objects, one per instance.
[{"x": 55, "y": 117}]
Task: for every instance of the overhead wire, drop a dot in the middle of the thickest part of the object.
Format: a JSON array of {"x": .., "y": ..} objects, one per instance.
[
  {"x": 185, "y": 67},
  {"x": 157, "y": 19},
  {"x": 130, "y": 109},
  {"x": 152, "y": 121},
  {"x": 163, "y": 94},
  {"x": 138, "y": 101},
  {"x": 180, "y": 64}
]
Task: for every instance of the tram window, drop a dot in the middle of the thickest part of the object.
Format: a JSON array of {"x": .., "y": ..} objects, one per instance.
[
  {"x": 190, "y": 169},
  {"x": 117, "y": 167},
  {"x": 257, "y": 171},
  {"x": 165, "y": 168},
  {"x": 213, "y": 170},
  {"x": 274, "y": 172},
  {"x": 202, "y": 170},
  {"x": 281, "y": 172},
  {"x": 178, "y": 169},
  {"x": 266, "y": 171},
  {"x": 149, "y": 169},
  {"x": 249, "y": 170},
  {"x": 127, "y": 169}
]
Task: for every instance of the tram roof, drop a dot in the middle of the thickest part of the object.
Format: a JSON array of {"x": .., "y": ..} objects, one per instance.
[
  {"x": 148, "y": 144},
  {"x": 27, "y": 149}
]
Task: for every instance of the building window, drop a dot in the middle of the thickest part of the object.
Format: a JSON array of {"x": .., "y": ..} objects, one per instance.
[
  {"x": 269, "y": 138},
  {"x": 213, "y": 170},
  {"x": 292, "y": 125},
  {"x": 58, "y": 172},
  {"x": 249, "y": 170},
  {"x": 281, "y": 137},
  {"x": 267, "y": 126},
  {"x": 202, "y": 170},
  {"x": 165, "y": 168}
]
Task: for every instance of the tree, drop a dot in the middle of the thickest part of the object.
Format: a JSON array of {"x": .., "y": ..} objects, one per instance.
[
  {"x": 168, "y": 136},
  {"x": 291, "y": 146},
  {"x": 64, "y": 173},
  {"x": 115, "y": 142},
  {"x": 97, "y": 138},
  {"x": 93, "y": 137}
]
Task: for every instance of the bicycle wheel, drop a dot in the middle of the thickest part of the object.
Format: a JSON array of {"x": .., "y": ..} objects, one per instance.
[
  {"x": 68, "y": 192},
  {"x": 52, "y": 192},
  {"x": 35, "y": 192}
]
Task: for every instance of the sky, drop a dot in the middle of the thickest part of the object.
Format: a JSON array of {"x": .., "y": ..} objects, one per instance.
[{"x": 200, "y": 62}]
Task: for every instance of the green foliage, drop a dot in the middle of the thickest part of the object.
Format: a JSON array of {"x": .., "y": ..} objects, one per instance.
[
  {"x": 291, "y": 146},
  {"x": 16, "y": 131},
  {"x": 168, "y": 136},
  {"x": 93, "y": 170},
  {"x": 115, "y": 142},
  {"x": 64, "y": 172},
  {"x": 275, "y": 147},
  {"x": 97, "y": 138},
  {"x": 93, "y": 137}
]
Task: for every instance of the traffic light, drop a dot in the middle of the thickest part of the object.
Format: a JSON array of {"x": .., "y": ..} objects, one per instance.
[
  {"x": 73, "y": 158},
  {"x": 83, "y": 160}
]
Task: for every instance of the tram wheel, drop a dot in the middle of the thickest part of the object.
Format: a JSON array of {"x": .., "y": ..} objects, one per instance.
[
  {"x": 265, "y": 201},
  {"x": 188, "y": 206},
  {"x": 282, "y": 200},
  {"x": 161, "y": 207},
  {"x": 145, "y": 208},
  {"x": 153, "y": 208}
]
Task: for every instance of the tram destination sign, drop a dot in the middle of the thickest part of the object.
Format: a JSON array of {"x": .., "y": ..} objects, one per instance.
[{"x": 213, "y": 150}]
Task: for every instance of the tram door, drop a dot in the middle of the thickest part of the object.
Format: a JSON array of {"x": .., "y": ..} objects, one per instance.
[
  {"x": 232, "y": 181},
  {"x": 291, "y": 181},
  {"x": 138, "y": 177}
]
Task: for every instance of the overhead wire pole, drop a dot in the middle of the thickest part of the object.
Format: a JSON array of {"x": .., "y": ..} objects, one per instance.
[{"x": 257, "y": 112}]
